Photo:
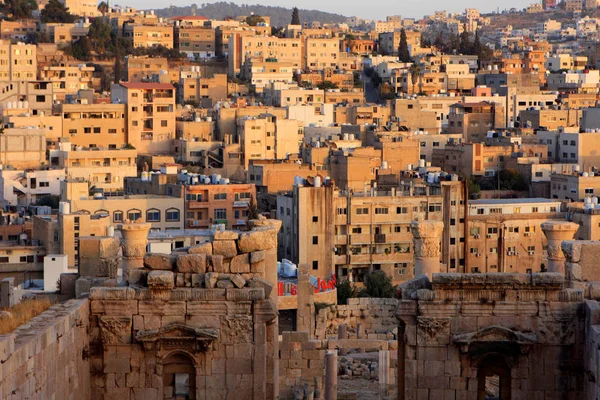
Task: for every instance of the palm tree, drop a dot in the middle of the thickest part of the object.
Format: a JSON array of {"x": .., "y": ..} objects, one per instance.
[
  {"x": 103, "y": 7},
  {"x": 415, "y": 73}
]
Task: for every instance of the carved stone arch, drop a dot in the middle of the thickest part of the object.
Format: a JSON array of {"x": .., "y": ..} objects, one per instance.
[{"x": 179, "y": 374}]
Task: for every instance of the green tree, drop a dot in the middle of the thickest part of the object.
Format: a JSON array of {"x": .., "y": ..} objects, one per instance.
[
  {"x": 19, "y": 9},
  {"x": 465, "y": 41},
  {"x": 252, "y": 209},
  {"x": 454, "y": 42},
  {"x": 345, "y": 290},
  {"x": 477, "y": 45},
  {"x": 474, "y": 189},
  {"x": 103, "y": 7},
  {"x": 254, "y": 20},
  {"x": 296, "y": 16},
  {"x": 379, "y": 285},
  {"x": 403, "y": 53},
  {"x": 99, "y": 35},
  {"x": 326, "y": 85},
  {"x": 55, "y": 11},
  {"x": 118, "y": 68},
  {"x": 82, "y": 49},
  {"x": 50, "y": 200}
]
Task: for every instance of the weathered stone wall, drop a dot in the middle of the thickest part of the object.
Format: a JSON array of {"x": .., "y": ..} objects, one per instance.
[
  {"x": 48, "y": 357},
  {"x": 526, "y": 326},
  {"x": 376, "y": 316},
  {"x": 202, "y": 320},
  {"x": 301, "y": 363},
  {"x": 592, "y": 351}
]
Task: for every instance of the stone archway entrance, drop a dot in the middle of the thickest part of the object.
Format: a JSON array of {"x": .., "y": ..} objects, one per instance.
[{"x": 493, "y": 378}]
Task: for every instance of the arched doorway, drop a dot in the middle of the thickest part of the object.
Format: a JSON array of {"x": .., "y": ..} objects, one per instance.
[
  {"x": 493, "y": 378},
  {"x": 179, "y": 377}
]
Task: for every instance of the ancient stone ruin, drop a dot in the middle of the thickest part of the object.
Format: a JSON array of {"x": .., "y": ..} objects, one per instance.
[{"x": 201, "y": 323}]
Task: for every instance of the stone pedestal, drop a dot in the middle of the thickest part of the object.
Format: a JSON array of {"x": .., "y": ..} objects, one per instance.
[
  {"x": 426, "y": 240},
  {"x": 135, "y": 241},
  {"x": 556, "y": 232}
]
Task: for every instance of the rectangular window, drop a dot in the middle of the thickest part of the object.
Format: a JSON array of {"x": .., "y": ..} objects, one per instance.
[
  {"x": 315, "y": 218},
  {"x": 315, "y": 264},
  {"x": 172, "y": 215},
  {"x": 220, "y": 196},
  {"x": 315, "y": 240},
  {"x": 381, "y": 210},
  {"x": 220, "y": 213},
  {"x": 401, "y": 210},
  {"x": 492, "y": 230},
  {"x": 362, "y": 211},
  {"x": 153, "y": 216}
]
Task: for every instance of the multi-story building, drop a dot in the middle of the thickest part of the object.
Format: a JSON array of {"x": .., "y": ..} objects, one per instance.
[
  {"x": 574, "y": 186},
  {"x": 204, "y": 90},
  {"x": 148, "y": 35},
  {"x": 505, "y": 235},
  {"x": 22, "y": 188},
  {"x": 261, "y": 72},
  {"x": 18, "y": 62},
  {"x": 268, "y": 137},
  {"x": 150, "y": 114},
  {"x": 34, "y": 96},
  {"x": 389, "y": 41},
  {"x": 68, "y": 79},
  {"x": 144, "y": 68},
  {"x": 23, "y": 148},
  {"x": 63, "y": 34},
  {"x": 265, "y": 47},
  {"x": 353, "y": 233},
  {"x": 474, "y": 120},
  {"x": 82, "y": 8},
  {"x": 94, "y": 125},
  {"x": 321, "y": 53},
  {"x": 197, "y": 42}
]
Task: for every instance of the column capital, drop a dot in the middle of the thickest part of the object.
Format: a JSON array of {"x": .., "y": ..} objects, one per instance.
[{"x": 426, "y": 237}]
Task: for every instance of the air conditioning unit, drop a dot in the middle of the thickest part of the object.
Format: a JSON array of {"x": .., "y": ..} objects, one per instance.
[
  {"x": 527, "y": 234},
  {"x": 489, "y": 236},
  {"x": 477, "y": 236},
  {"x": 511, "y": 253},
  {"x": 531, "y": 253},
  {"x": 477, "y": 255}
]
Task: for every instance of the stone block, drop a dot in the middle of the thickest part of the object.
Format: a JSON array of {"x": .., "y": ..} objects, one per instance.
[
  {"x": 112, "y": 293},
  {"x": 225, "y": 235},
  {"x": 159, "y": 261},
  {"x": 96, "y": 247},
  {"x": 258, "y": 267},
  {"x": 158, "y": 307},
  {"x": 240, "y": 264},
  {"x": 202, "y": 248},
  {"x": 218, "y": 263},
  {"x": 117, "y": 366},
  {"x": 161, "y": 280},
  {"x": 115, "y": 331},
  {"x": 246, "y": 294},
  {"x": 261, "y": 283},
  {"x": 67, "y": 284},
  {"x": 224, "y": 284},
  {"x": 208, "y": 294},
  {"x": 191, "y": 263},
  {"x": 210, "y": 280},
  {"x": 198, "y": 280},
  {"x": 238, "y": 281},
  {"x": 225, "y": 248},
  {"x": 261, "y": 238},
  {"x": 257, "y": 256}
]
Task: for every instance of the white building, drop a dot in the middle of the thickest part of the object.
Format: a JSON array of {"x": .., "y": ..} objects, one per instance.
[{"x": 26, "y": 187}]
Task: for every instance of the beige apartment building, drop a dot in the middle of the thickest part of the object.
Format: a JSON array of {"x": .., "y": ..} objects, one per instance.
[
  {"x": 468, "y": 159},
  {"x": 505, "y": 235},
  {"x": 368, "y": 230},
  {"x": 549, "y": 119},
  {"x": 94, "y": 125},
  {"x": 162, "y": 212},
  {"x": 390, "y": 41},
  {"x": 63, "y": 34},
  {"x": 35, "y": 97},
  {"x": 224, "y": 32},
  {"x": 18, "y": 62},
  {"x": 228, "y": 117},
  {"x": 104, "y": 170},
  {"x": 575, "y": 186},
  {"x": 218, "y": 202},
  {"x": 204, "y": 90},
  {"x": 15, "y": 31},
  {"x": 265, "y": 47},
  {"x": 68, "y": 79},
  {"x": 474, "y": 120},
  {"x": 197, "y": 42},
  {"x": 321, "y": 53},
  {"x": 148, "y": 35},
  {"x": 150, "y": 115},
  {"x": 23, "y": 148},
  {"x": 259, "y": 72},
  {"x": 144, "y": 68},
  {"x": 268, "y": 137},
  {"x": 82, "y": 8},
  {"x": 570, "y": 146},
  {"x": 285, "y": 95}
]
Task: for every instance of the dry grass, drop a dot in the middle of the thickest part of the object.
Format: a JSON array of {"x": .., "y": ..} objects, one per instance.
[{"x": 21, "y": 313}]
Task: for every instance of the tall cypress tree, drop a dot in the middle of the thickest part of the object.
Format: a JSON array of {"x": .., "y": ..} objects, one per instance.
[
  {"x": 477, "y": 44},
  {"x": 118, "y": 70},
  {"x": 465, "y": 42},
  {"x": 403, "y": 53},
  {"x": 295, "y": 16}
]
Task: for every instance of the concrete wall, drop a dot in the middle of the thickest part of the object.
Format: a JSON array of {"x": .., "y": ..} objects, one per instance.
[{"x": 48, "y": 357}]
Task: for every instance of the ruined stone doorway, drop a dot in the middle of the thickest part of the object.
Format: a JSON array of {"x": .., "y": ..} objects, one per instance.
[
  {"x": 179, "y": 377},
  {"x": 493, "y": 378}
]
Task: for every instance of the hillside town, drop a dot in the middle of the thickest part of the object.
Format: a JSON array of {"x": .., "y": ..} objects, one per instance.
[{"x": 371, "y": 209}]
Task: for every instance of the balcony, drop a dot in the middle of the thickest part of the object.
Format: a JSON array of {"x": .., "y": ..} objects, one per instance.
[
  {"x": 379, "y": 238},
  {"x": 194, "y": 205},
  {"x": 360, "y": 238},
  {"x": 198, "y": 223},
  {"x": 360, "y": 259},
  {"x": 341, "y": 259},
  {"x": 340, "y": 239},
  {"x": 383, "y": 257}
]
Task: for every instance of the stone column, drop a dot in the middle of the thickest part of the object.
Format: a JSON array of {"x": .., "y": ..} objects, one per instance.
[
  {"x": 306, "y": 302},
  {"x": 426, "y": 240},
  {"x": 556, "y": 232},
  {"x": 331, "y": 370},
  {"x": 342, "y": 334},
  {"x": 7, "y": 292},
  {"x": 384, "y": 373},
  {"x": 135, "y": 240}
]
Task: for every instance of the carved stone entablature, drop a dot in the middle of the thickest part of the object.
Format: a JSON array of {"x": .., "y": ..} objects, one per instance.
[
  {"x": 433, "y": 331},
  {"x": 496, "y": 334},
  {"x": 179, "y": 336}
]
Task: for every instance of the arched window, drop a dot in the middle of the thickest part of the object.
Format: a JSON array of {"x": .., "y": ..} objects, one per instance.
[
  {"x": 134, "y": 214},
  {"x": 172, "y": 215},
  {"x": 102, "y": 213},
  {"x": 179, "y": 376},
  {"x": 118, "y": 216},
  {"x": 153, "y": 215}
]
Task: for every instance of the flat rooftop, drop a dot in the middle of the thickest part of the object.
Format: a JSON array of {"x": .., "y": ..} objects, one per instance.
[{"x": 513, "y": 201}]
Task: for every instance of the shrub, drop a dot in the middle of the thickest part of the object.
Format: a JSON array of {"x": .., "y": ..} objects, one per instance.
[
  {"x": 345, "y": 290},
  {"x": 379, "y": 285}
]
